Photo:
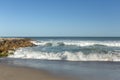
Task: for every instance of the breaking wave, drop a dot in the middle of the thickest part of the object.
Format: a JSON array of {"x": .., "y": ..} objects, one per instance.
[
  {"x": 78, "y": 43},
  {"x": 26, "y": 53},
  {"x": 71, "y": 50}
]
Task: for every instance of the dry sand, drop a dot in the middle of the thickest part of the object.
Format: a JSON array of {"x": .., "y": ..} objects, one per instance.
[{"x": 21, "y": 73}]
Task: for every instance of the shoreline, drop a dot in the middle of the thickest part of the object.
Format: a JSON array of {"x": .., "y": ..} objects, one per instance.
[
  {"x": 14, "y": 72},
  {"x": 8, "y": 72}
]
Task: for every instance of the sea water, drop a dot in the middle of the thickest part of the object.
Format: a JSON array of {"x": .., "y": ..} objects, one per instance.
[
  {"x": 88, "y": 58},
  {"x": 72, "y": 49}
]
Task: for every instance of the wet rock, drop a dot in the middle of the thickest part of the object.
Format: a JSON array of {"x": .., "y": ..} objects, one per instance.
[{"x": 9, "y": 45}]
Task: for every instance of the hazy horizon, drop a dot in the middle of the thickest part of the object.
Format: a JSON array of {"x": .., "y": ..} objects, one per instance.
[{"x": 62, "y": 36}]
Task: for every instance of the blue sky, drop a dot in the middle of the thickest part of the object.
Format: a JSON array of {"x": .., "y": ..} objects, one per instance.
[{"x": 60, "y": 18}]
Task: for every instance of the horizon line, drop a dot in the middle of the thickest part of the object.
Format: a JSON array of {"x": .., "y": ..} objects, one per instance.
[{"x": 61, "y": 36}]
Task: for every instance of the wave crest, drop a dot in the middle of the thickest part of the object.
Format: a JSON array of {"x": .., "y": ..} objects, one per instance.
[
  {"x": 78, "y": 56},
  {"x": 78, "y": 43}
]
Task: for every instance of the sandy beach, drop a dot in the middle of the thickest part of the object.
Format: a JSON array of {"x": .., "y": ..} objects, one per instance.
[{"x": 22, "y": 73}]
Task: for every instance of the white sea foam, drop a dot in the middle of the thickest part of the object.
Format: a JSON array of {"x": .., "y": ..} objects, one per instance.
[
  {"x": 78, "y": 56},
  {"x": 80, "y": 43}
]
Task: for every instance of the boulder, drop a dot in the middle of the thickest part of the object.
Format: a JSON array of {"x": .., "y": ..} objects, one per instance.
[{"x": 9, "y": 45}]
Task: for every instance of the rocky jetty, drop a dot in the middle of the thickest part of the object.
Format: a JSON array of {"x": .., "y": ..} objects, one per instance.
[{"x": 9, "y": 45}]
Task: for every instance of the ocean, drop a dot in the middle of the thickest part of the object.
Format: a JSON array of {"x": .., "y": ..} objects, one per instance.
[{"x": 86, "y": 58}]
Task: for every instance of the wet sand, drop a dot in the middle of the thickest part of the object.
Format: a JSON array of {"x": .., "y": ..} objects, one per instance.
[{"x": 23, "y": 73}]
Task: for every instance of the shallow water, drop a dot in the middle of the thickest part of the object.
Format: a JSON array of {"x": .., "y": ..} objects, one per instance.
[{"x": 81, "y": 70}]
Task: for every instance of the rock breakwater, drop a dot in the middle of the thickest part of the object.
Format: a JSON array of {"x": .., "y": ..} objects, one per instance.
[{"x": 9, "y": 45}]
